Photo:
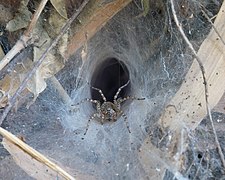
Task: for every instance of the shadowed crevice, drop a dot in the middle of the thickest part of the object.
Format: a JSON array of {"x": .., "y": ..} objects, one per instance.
[{"x": 108, "y": 76}]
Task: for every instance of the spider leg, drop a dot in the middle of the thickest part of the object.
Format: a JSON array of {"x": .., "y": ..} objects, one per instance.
[
  {"x": 88, "y": 123},
  {"x": 125, "y": 119},
  {"x": 88, "y": 100},
  {"x": 117, "y": 93},
  {"x": 101, "y": 93},
  {"x": 102, "y": 119},
  {"x": 121, "y": 100}
]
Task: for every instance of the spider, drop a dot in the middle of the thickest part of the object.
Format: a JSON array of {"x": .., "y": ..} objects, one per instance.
[{"x": 108, "y": 110}]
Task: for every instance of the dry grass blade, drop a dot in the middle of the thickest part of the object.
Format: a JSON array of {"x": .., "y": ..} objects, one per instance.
[
  {"x": 15, "y": 142},
  {"x": 204, "y": 79}
]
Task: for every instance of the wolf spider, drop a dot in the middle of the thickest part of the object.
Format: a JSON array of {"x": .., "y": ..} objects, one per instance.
[{"x": 108, "y": 110}]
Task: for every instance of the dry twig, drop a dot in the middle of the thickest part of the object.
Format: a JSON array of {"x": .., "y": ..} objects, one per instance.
[
  {"x": 40, "y": 60},
  {"x": 204, "y": 79},
  {"x": 26, "y": 39}
]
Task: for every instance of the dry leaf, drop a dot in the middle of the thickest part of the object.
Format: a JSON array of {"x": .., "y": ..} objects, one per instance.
[
  {"x": 50, "y": 66},
  {"x": 92, "y": 20},
  {"x": 1, "y": 53},
  {"x": 5, "y": 14},
  {"x": 8, "y": 86},
  {"x": 56, "y": 22},
  {"x": 21, "y": 19},
  {"x": 60, "y": 7}
]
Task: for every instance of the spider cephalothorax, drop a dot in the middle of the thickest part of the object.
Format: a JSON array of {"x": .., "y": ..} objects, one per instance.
[{"x": 108, "y": 110}]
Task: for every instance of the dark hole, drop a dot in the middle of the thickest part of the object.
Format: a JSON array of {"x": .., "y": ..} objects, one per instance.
[
  {"x": 159, "y": 11},
  {"x": 199, "y": 156},
  {"x": 109, "y": 76}
]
